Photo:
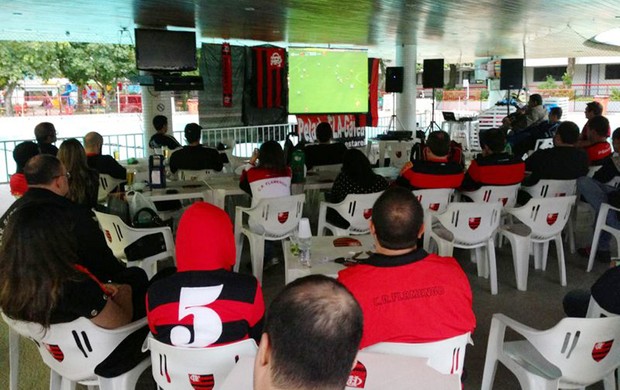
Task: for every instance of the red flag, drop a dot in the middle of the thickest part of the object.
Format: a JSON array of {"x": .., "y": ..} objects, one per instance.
[
  {"x": 227, "y": 89},
  {"x": 270, "y": 77}
]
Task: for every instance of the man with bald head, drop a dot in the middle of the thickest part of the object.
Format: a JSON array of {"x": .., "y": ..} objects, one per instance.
[
  {"x": 104, "y": 164},
  {"x": 311, "y": 336},
  {"x": 406, "y": 294}
]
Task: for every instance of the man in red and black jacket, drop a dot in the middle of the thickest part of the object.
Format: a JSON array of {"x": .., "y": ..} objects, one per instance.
[
  {"x": 599, "y": 149},
  {"x": 494, "y": 166},
  {"x": 434, "y": 170}
]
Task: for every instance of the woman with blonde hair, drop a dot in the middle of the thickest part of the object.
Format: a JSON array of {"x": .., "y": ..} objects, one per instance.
[{"x": 84, "y": 181}]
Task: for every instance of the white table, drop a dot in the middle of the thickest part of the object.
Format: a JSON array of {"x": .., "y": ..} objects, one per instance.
[
  {"x": 322, "y": 255},
  {"x": 383, "y": 371},
  {"x": 179, "y": 190}
]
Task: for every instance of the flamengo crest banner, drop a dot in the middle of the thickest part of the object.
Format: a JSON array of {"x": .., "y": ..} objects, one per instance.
[{"x": 342, "y": 124}]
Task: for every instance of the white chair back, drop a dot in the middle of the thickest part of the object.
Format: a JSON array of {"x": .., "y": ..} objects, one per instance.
[
  {"x": 276, "y": 217},
  {"x": 546, "y": 217},
  {"x": 399, "y": 152},
  {"x": 552, "y": 188},
  {"x": 356, "y": 209},
  {"x": 182, "y": 368},
  {"x": 507, "y": 195},
  {"x": 446, "y": 356},
  {"x": 119, "y": 236},
  {"x": 615, "y": 182},
  {"x": 593, "y": 169},
  {"x": 575, "y": 353},
  {"x": 106, "y": 185},
  {"x": 596, "y": 311},
  {"x": 433, "y": 200},
  {"x": 196, "y": 175},
  {"x": 543, "y": 143},
  {"x": 470, "y": 223},
  {"x": 74, "y": 349}
]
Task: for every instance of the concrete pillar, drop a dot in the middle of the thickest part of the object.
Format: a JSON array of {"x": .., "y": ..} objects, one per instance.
[
  {"x": 155, "y": 103},
  {"x": 405, "y": 102}
]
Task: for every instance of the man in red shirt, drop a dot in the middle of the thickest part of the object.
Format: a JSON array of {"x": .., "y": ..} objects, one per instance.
[
  {"x": 406, "y": 294},
  {"x": 598, "y": 149}
]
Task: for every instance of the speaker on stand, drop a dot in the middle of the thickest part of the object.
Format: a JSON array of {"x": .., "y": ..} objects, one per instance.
[
  {"x": 511, "y": 77},
  {"x": 432, "y": 77},
  {"x": 394, "y": 81}
]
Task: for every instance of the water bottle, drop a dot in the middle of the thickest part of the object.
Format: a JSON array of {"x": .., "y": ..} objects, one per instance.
[
  {"x": 298, "y": 165},
  {"x": 304, "y": 251},
  {"x": 304, "y": 237}
]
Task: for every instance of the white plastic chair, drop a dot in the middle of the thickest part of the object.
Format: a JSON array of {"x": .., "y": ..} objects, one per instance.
[
  {"x": 433, "y": 200},
  {"x": 106, "y": 185},
  {"x": 446, "y": 356},
  {"x": 119, "y": 236},
  {"x": 596, "y": 311},
  {"x": 592, "y": 170},
  {"x": 548, "y": 188},
  {"x": 271, "y": 219},
  {"x": 183, "y": 368},
  {"x": 399, "y": 152},
  {"x": 74, "y": 349},
  {"x": 196, "y": 175},
  {"x": 602, "y": 226},
  {"x": 543, "y": 143},
  {"x": 356, "y": 209},
  {"x": 14, "y": 349},
  {"x": 470, "y": 226},
  {"x": 575, "y": 353},
  {"x": 540, "y": 221}
]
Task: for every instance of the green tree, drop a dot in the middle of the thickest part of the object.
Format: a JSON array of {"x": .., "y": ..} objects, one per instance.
[
  {"x": 102, "y": 64},
  {"x": 21, "y": 60}
]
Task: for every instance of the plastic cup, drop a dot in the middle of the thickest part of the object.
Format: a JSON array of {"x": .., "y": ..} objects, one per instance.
[
  {"x": 304, "y": 228},
  {"x": 130, "y": 176},
  {"x": 117, "y": 155}
]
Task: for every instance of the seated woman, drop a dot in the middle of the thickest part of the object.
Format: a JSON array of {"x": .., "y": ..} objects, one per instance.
[
  {"x": 41, "y": 281},
  {"x": 21, "y": 154},
  {"x": 268, "y": 176},
  {"x": 229, "y": 306},
  {"x": 84, "y": 183},
  {"x": 355, "y": 177}
]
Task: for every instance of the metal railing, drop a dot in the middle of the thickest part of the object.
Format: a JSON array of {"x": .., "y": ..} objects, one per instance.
[{"x": 245, "y": 139}]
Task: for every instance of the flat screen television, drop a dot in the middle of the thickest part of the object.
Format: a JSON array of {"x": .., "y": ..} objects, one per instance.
[
  {"x": 164, "y": 50},
  {"x": 327, "y": 81}
]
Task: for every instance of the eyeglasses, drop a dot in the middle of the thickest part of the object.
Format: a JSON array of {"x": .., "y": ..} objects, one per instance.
[{"x": 66, "y": 174}]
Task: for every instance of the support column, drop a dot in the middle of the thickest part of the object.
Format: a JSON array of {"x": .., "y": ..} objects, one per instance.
[
  {"x": 155, "y": 103},
  {"x": 405, "y": 102}
]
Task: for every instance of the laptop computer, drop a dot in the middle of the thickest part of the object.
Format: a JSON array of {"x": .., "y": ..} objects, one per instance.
[{"x": 448, "y": 116}]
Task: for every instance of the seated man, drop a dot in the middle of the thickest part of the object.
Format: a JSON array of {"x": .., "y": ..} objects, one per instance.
[
  {"x": 326, "y": 152},
  {"x": 525, "y": 140},
  {"x": 48, "y": 183},
  {"x": 45, "y": 134},
  {"x": 312, "y": 333},
  {"x": 435, "y": 170},
  {"x": 195, "y": 156},
  {"x": 598, "y": 149},
  {"x": 493, "y": 166},
  {"x": 21, "y": 154},
  {"x": 595, "y": 191},
  {"x": 562, "y": 162},
  {"x": 104, "y": 164},
  {"x": 593, "y": 109},
  {"x": 406, "y": 294},
  {"x": 160, "y": 139},
  {"x": 228, "y": 306},
  {"x": 531, "y": 114}
]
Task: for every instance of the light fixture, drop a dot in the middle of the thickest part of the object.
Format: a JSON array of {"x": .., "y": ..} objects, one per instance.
[{"x": 609, "y": 37}]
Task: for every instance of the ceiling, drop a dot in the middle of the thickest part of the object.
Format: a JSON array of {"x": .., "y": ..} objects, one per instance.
[{"x": 458, "y": 31}]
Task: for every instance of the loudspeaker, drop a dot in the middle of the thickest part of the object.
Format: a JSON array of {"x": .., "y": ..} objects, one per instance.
[
  {"x": 177, "y": 83},
  {"x": 394, "y": 79},
  {"x": 432, "y": 77},
  {"x": 511, "y": 74}
]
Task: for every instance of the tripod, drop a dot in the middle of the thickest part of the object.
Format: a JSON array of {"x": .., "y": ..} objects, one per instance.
[
  {"x": 433, "y": 125},
  {"x": 394, "y": 118}
]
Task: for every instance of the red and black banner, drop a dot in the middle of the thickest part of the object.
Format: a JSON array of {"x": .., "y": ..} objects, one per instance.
[
  {"x": 371, "y": 118},
  {"x": 227, "y": 89},
  {"x": 269, "y": 64}
]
